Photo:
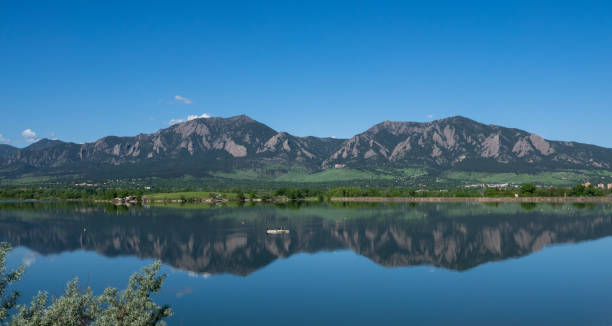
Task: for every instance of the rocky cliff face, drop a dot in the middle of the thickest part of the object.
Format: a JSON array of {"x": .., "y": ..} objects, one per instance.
[
  {"x": 461, "y": 142},
  {"x": 7, "y": 150},
  {"x": 194, "y": 147},
  {"x": 234, "y": 137},
  {"x": 207, "y": 145}
]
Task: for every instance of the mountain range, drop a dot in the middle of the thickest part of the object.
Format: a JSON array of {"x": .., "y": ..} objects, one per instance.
[{"x": 240, "y": 146}]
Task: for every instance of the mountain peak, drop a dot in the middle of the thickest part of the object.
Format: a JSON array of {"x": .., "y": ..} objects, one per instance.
[
  {"x": 7, "y": 150},
  {"x": 242, "y": 117},
  {"x": 460, "y": 142},
  {"x": 44, "y": 143},
  {"x": 456, "y": 119},
  {"x": 203, "y": 146}
]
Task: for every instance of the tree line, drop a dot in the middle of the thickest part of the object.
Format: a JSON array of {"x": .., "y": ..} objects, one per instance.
[
  {"x": 526, "y": 190},
  {"x": 68, "y": 193}
]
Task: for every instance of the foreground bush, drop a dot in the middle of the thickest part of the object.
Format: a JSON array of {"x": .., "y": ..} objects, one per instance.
[{"x": 132, "y": 306}]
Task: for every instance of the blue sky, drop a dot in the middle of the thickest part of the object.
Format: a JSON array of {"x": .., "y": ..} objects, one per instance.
[{"x": 82, "y": 70}]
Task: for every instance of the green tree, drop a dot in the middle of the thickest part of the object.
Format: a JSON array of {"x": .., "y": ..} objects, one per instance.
[
  {"x": 240, "y": 195},
  {"x": 8, "y": 300},
  {"x": 132, "y": 306},
  {"x": 527, "y": 190},
  {"x": 251, "y": 195},
  {"x": 578, "y": 191},
  {"x": 591, "y": 191}
]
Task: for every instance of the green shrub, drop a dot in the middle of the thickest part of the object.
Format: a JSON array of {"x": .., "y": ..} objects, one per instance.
[{"x": 132, "y": 306}]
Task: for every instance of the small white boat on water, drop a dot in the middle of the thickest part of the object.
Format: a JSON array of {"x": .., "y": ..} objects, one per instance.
[{"x": 277, "y": 231}]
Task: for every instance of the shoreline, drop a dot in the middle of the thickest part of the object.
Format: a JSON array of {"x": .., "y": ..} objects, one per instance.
[
  {"x": 473, "y": 199},
  {"x": 607, "y": 199}
]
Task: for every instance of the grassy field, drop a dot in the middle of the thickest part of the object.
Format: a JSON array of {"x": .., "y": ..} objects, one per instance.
[
  {"x": 26, "y": 179},
  {"x": 561, "y": 178},
  {"x": 239, "y": 175},
  {"x": 411, "y": 172},
  {"x": 304, "y": 176},
  {"x": 332, "y": 175}
]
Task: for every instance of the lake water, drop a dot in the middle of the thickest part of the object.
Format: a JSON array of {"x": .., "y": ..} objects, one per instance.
[{"x": 404, "y": 264}]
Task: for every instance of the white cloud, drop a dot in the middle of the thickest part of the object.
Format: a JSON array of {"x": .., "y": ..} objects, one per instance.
[
  {"x": 29, "y": 135},
  {"x": 4, "y": 140},
  {"x": 193, "y": 116},
  {"x": 29, "y": 259},
  {"x": 182, "y": 99},
  {"x": 189, "y": 118},
  {"x": 430, "y": 116}
]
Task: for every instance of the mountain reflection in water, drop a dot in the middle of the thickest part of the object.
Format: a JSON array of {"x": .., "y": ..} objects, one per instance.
[{"x": 234, "y": 240}]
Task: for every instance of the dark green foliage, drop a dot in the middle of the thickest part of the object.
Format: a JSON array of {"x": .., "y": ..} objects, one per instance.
[
  {"x": 524, "y": 191},
  {"x": 68, "y": 193},
  {"x": 578, "y": 190},
  {"x": 527, "y": 190},
  {"x": 529, "y": 206},
  {"x": 500, "y": 192},
  {"x": 401, "y": 192},
  {"x": 590, "y": 191},
  {"x": 298, "y": 193},
  {"x": 8, "y": 299},
  {"x": 240, "y": 195},
  {"x": 530, "y": 190}
]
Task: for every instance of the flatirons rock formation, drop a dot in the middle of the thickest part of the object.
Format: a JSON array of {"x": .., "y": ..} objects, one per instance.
[
  {"x": 7, "y": 150},
  {"x": 464, "y": 143},
  {"x": 204, "y": 146}
]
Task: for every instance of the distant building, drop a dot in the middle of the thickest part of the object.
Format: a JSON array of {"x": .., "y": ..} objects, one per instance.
[
  {"x": 497, "y": 185},
  {"x": 609, "y": 185},
  {"x": 475, "y": 186},
  {"x": 601, "y": 186},
  {"x": 84, "y": 184},
  {"x": 587, "y": 184},
  {"x": 339, "y": 166}
]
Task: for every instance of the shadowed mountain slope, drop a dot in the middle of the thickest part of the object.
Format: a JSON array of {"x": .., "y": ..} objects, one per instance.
[
  {"x": 7, "y": 150},
  {"x": 465, "y": 144},
  {"x": 205, "y": 146}
]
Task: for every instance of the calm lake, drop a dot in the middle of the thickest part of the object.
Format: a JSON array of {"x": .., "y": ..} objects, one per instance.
[{"x": 355, "y": 264}]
